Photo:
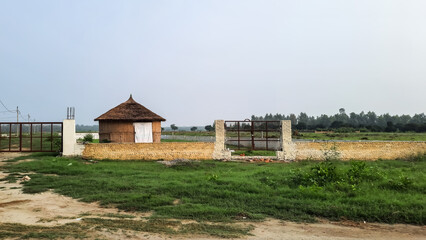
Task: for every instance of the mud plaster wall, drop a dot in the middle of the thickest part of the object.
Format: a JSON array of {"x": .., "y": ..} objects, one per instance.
[
  {"x": 358, "y": 150},
  {"x": 149, "y": 151}
]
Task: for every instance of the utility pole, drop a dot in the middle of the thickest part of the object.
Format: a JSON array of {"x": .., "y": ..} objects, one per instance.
[{"x": 17, "y": 121}]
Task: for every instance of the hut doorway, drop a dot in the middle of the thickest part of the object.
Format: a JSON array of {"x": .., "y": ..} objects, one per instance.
[{"x": 143, "y": 132}]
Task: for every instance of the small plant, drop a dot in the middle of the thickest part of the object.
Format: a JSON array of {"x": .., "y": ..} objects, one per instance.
[
  {"x": 213, "y": 177},
  {"x": 57, "y": 143},
  {"x": 330, "y": 153},
  {"x": 356, "y": 172},
  {"x": 88, "y": 138},
  {"x": 323, "y": 173},
  {"x": 268, "y": 181},
  {"x": 402, "y": 183}
]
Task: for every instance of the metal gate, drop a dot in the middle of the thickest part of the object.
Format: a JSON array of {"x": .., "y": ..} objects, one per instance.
[
  {"x": 31, "y": 137},
  {"x": 254, "y": 135}
]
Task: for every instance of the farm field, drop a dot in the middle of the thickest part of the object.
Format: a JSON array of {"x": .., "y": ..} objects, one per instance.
[
  {"x": 374, "y": 136},
  {"x": 226, "y": 193}
]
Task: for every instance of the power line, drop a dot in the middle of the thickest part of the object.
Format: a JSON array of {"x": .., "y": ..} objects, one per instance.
[
  {"x": 18, "y": 113},
  {"x": 6, "y": 107}
]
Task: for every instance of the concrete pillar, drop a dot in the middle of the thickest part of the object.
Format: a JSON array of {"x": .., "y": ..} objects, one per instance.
[
  {"x": 288, "y": 148},
  {"x": 219, "y": 146},
  {"x": 69, "y": 139}
]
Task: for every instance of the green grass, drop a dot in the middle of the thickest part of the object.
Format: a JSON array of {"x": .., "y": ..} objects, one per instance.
[
  {"x": 81, "y": 230},
  {"x": 175, "y": 140},
  {"x": 265, "y": 153},
  {"x": 16, "y": 230},
  {"x": 375, "y": 136},
  {"x": 391, "y": 191},
  {"x": 188, "y": 133},
  {"x": 35, "y": 143}
]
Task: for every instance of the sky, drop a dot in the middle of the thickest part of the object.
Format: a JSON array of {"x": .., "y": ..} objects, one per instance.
[{"x": 195, "y": 61}]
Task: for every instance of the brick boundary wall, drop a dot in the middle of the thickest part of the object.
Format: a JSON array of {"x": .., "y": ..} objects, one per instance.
[
  {"x": 357, "y": 150},
  {"x": 345, "y": 150},
  {"x": 290, "y": 150},
  {"x": 149, "y": 151}
]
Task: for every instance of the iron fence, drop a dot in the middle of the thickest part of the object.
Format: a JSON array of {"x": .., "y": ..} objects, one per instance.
[
  {"x": 31, "y": 137},
  {"x": 259, "y": 134}
]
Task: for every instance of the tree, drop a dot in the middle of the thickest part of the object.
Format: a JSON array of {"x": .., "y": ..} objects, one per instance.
[
  {"x": 173, "y": 127},
  {"x": 293, "y": 119},
  {"x": 193, "y": 129},
  {"x": 303, "y": 117},
  {"x": 301, "y": 126},
  {"x": 209, "y": 128},
  {"x": 336, "y": 124},
  {"x": 390, "y": 127}
]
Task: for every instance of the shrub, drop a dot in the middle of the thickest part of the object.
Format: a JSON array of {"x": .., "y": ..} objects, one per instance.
[
  {"x": 356, "y": 172},
  {"x": 88, "y": 138},
  {"x": 323, "y": 173},
  {"x": 402, "y": 183}
]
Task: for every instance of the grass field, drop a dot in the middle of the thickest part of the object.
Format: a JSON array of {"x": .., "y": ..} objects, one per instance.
[
  {"x": 392, "y": 191},
  {"x": 36, "y": 143},
  {"x": 376, "y": 136}
]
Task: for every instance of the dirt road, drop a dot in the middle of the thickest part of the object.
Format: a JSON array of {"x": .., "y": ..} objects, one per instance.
[{"x": 50, "y": 209}]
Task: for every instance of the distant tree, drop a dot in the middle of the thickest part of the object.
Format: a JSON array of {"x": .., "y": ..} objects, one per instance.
[
  {"x": 209, "y": 128},
  {"x": 193, "y": 129},
  {"x": 336, "y": 124},
  {"x": 173, "y": 127},
  {"x": 303, "y": 117},
  {"x": 410, "y": 127},
  {"x": 162, "y": 129},
  {"x": 390, "y": 127},
  {"x": 293, "y": 119}
]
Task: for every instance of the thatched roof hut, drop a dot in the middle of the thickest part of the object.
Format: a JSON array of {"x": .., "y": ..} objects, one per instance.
[{"x": 130, "y": 122}]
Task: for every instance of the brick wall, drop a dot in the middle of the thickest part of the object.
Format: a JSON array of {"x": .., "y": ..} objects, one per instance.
[
  {"x": 149, "y": 151},
  {"x": 358, "y": 150}
]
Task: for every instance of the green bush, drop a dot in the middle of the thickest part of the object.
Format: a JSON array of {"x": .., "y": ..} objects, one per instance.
[
  {"x": 402, "y": 183},
  {"x": 88, "y": 138},
  {"x": 356, "y": 172}
]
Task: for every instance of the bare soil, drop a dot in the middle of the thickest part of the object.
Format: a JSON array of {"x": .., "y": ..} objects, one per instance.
[{"x": 51, "y": 209}]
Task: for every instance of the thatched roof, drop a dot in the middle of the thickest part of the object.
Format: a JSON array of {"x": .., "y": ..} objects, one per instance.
[{"x": 130, "y": 110}]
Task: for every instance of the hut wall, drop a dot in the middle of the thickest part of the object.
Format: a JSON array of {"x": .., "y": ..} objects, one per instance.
[
  {"x": 156, "y": 132},
  {"x": 117, "y": 131}
]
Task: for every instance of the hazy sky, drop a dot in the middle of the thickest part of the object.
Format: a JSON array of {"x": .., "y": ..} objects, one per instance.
[{"x": 197, "y": 60}]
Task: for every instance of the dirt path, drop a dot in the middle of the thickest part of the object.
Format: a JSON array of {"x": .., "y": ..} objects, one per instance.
[{"x": 50, "y": 209}]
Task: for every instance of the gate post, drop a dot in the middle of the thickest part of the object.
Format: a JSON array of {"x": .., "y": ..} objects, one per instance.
[
  {"x": 288, "y": 151},
  {"x": 68, "y": 140},
  {"x": 219, "y": 146}
]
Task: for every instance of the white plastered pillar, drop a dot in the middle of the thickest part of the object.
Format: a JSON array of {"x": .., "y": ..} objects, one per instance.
[
  {"x": 288, "y": 151},
  {"x": 220, "y": 152},
  {"x": 68, "y": 139}
]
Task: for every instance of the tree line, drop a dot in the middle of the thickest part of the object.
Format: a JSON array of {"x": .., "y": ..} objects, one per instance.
[{"x": 342, "y": 121}]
